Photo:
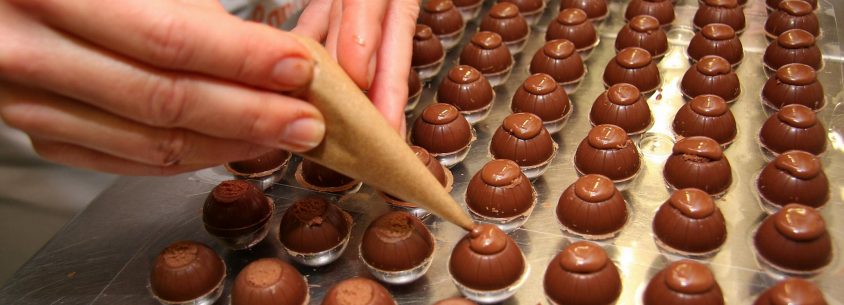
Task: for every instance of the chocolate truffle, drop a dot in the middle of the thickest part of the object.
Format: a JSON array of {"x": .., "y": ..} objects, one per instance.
[
  {"x": 774, "y": 4},
  {"x": 794, "y": 127},
  {"x": 716, "y": 39},
  {"x": 622, "y": 105},
  {"x": 708, "y": 116},
  {"x": 455, "y": 301},
  {"x": 711, "y": 75},
  {"x": 414, "y": 91},
  {"x": 573, "y": 25},
  {"x": 608, "y": 151},
  {"x": 794, "y": 177},
  {"x": 643, "y": 31},
  {"x": 698, "y": 162},
  {"x": 269, "y": 281},
  {"x": 397, "y": 248},
  {"x": 531, "y": 10},
  {"x": 501, "y": 194},
  {"x": 792, "y": 14},
  {"x": 662, "y": 10},
  {"x": 237, "y": 213},
  {"x": 540, "y": 95},
  {"x": 264, "y": 165},
  {"x": 793, "y": 46},
  {"x": 487, "y": 266},
  {"x": 439, "y": 171},
  {"x": 596, "y": 10},
  {"x": 592, "y": 207},
  {"x": 794, "y": 84},
  {"x": 428, "y": 53},
  {"x": 523, "y": 139},
  {"x": 469, "y": 9},
  {"x": 683, "y": 282},
  {"x": 792, "y": 291},
  {"x": 690, "y": 223},
  {"x": 487, "y": 53},
  {"x": 445, "y": 21},
  {"x": 558, "y": 58},
  {"x": 314, "y": 232},
  {"x": 443, "y": 132},
  {"x": 358, "y": 291},
  {"x": 633, "y": 66},
  {"x": 468, "y": 90},
  {"x": 582, "y": 265},
  {"x": 720, "y": 11},
  {"x": 794, "y": 240},
  {"x": 314, "y": 176},
  {"x": 187, "y": 271},
  {"x": 505, "y": 20}
]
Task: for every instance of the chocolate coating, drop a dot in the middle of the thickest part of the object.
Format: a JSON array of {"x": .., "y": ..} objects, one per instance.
[
  {"x": 269, "y": 281},
  {"x": 358, "y": 291},
  {"x": 414, "y": 84},
  {"x": 500, "y": 190},
  {"x": 427, "y": 48},
  {"x": 441, "y": 16},
  {"x": 504, "y": 18},
  {"x": 774, "y": 4},
  {"x": 795, "y": 238},
  {"x": 716, "y": 39},
  {"x": 572, "y": 24},
  {"x": 593, "y": 206},
  {"x": 540, "y": 95},
  {"x": 527, "y": 6},
  {"x": 269, "y": 161},
  {"x": 487, "y": 53},
  {"x": 683, "y": 282},
  {"x": 711, "y": 75},
  {"x": 580, "y": 265},
  {"x": 794, "y": 84},
  {"x": 313, "y": 225},
  {"x": 792, "y": 14},
  {"x": 441, "y": 129},
  {"x": 689, "y": 221},
  {"x": 595, "y": 9},
  {"x": 608, "y": 151},
  {"x": 792, "y": 291},
  {"x": 235, "y": 207},
  {"x": 720, "y": 11},
  {"x": 558, "y": 58},
  {"x": 708, "y": 116},
  {"x": 794, "y": 177},
  {"x": 793, "y": 46},
  {"x": 396, "y": 241},
  {"x": 321, "y": 176},
  {"x": 465, "y": 88},
  {"x": 523, "y": 139},
  {"x": 186, "y": 270},
  {"x": 794, "y": 127},
  {"x": 698, "y": 162},
  {"x": 662, "y": 10},
  {"x": 486, "y": 259},
  {"x": 643, "y": 31},
  {"x": 621, "y": 105},
  {"x": 633, "y": 66}
]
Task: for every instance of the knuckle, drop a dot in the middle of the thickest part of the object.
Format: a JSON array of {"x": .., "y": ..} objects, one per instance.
[
  {"x": 171, "y": 148},
  {"x": 170, "y": 41},
  {"x": 167, "y": 100}
]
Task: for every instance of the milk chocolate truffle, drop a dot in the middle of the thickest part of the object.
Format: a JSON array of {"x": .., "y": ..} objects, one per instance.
[
  {"x": 794, "y": 177},
  {"x": 445, "y": 21},
  {"x": 264, "y": 165},
  {"x": 531, "y": 10},
  {"x": 469, "y": 9},
  {"x": 314, "y": 176},
  {"x": 716, "y": 39},
  {"x": 505, "y": 20},
  {"x": 487, "y": 53},
  {"x": 643, "y": 31},
  {"x": 237, "y": 213},
  {"x": 397, "y": 248},
  {"x": 558, "y": 58},
  {"x": 774, "y": 4},
  {"x": 792, "y": 291},
  {"x": 428, "y": 53},
  {"x": 358, "y": 291},
  {"x": 523, "y": 139},
  {"x": 455, "y": 301},
  {"x": 592, "y": 207},
  {"x": 794, "y": 127},
  {"x": 698, "y": 162},
  {"x": 793, "y": 46},
  {"x": 683, "y": 282},
  {"x": 500, "y": 193},
  {"x": 596, "y": 10},
  {"x": 622, "y": 105},
  {"x": 578, "y": 266},
  {"x": 690, "y": 223},
  {"x": 540, "y": 95},
  {"x": 708, "y": 116},
  {"x": 573, "y": 25},
  {"x": 443, "y": 132},
  {"x": 468, "y": 90},
  {"x": 662, "y": 10},
  {"x": 794, "y": 84},
  {"x": 633, "y": 66},
  {"x": 720, "y": 11},
  {"x": 269, "y": 281},
  {"x": 607, "y": 151},
  {"x": 314, "y": 232},
  {"x": 187, "y": 271},
  {"x": 414, "y": 91},
  {"x": 792, "y": 14},
  {"x": 487, "y": 266},
  {"x": 711, "y": 75},
  {"x": 794, "y": 240}
]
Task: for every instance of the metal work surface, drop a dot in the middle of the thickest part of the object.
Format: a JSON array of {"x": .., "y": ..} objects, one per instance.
[{"x": 105, "y": 254}]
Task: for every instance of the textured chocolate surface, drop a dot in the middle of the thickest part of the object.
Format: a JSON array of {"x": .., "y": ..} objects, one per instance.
[
  {"x": 792, "y": 14},
  {"x": 662, "y": 10},
  {"x": 427, "y": 48},
  {"x": 442, "y": 16},
  {"x": 794, "y": 177},
  {"x": 441, "y": 129},
  {"x": 573, "y": 25},
  {"x": 795, "y": 238},
  {"x": 500, "y": 190},
  {"x": 592, "y": 205},
  {"x": 794, "y": 84},
  {"x": 235, "y": 207},
  {"x": 487, "y": 53},
  {"x": 396, "y": 241},
  {"x": 358, "y": 291},
  {"x": 621, "y": 105},
  {"x": 263, "y": 163},
  {"x": 321, "y": 176},
  {"x": 792, "y": 291},
  {"x": 186, "y": 270},
  {"x": 633, "y": 66},
  {"x": 643, "y": 31},
  {"x": 794, "y": 127},
  {"x": 683, "y": 282},
  {"x": 720, "y": 11},
  {"x": 269, "y": 281},
  {"x": 558, "y": 58},
  {"x": 465, "y": 88},
  {"x": 523, "y": 139},
  {"x": 773, "y": 4},
  {"x": 698, "y": 162},
  {"x": 711, "y": 75},
  {"x": 716, "y": 39},
  {"x": 486, "y": 259},
  {"x": 793, "y": 46},
  {"x": 595, "y": 9},
  {"x": 608, "y": 151},
  {"x": 708, "y": 116},
  {"x": 689, "y": 221},
  {"x": 504, "y": 18},
  {"x": 581, "y": 265},
  {"x": 312, "y": 225},
  {"x": 540, "y": 95}
]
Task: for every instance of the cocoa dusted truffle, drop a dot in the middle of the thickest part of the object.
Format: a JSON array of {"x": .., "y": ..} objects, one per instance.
[
  {"x": 794, "y": 240},
  {"x": 558, "y": 58},
  {"x": 358, "y": 291},
  {"x": 272, "y": 162},
  {"x": 501, "y": 194},
  {"x": 662, "y": 10},
  {"x": 523, "y": 139},
  {"x": 314, "y": 176},
  {"x": 596, "y": 10},
  {"x": 428, "y": 53},
  {"x": 237, "y": 213},
  {"x": 487, "y": 53},
  {"x": 445, "y": 21},
  {"x": 794, "y": 291},
  {"x": 540, "y": 95},
  {"x": 580, "y": 265},
  {"x": 716, "y": 39},
  {"x": 792, "y": 14},
  {"x": 573, "y": 25},
  {"x": 774, "y": 4},
  {"x": 397, "y": 248},
  {"x": 793, "y": 46},
  {"x": 468, "y": 90},
  {"x": 711, "y": 75},
  {"x": 315, "y": 232},
  {"x": 487, "y": 266},
  {"x": 469, "y": 9},
  {"x": 592, "y": 207},
  {"x": 455, "y": 301},
  {"x": 708, "y": 116},
  {"x": 690, "y": 223},
  {"x": 187, "y": 271},
  {"x": 794, "y": 84},
  {"x": 633, "y": 66},
  {"x": 698, "y": 162},
  {"x": 643, "y": 31},
  {"x": 531, "y": 10},
  {"x": 794, "y": 127},
  {"x": 793, "y": 177},
  {"x": 414, "y": 91},
  {"x": 269, "y": 281},
  {"x": 505, "y": 20},
  {"x": 439, "y": 171},
  {"x": 720, "y": 11},
  {"x": 622, "y": 105},
  {"x": 683, "y": 282},
  {"x": 443, "y": 132},
  {"x": 607, "y": 150}
]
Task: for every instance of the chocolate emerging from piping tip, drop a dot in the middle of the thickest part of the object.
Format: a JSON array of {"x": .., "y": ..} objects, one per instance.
[
  {"x": 573, "y": 25},
  {"x": 774, "y": 4},
  {"x": 643, "y": 31},
  {"x": 313, "y": 225},
  {"x": 427, "y": 48},
  {"x": 792, "y": 14},
  {"x": 690, "y": 222},
  {"x": 322, "y": 177},
  {"x": 523, "y": 139},
  {"x": 582, "y": 264},
  {"x": 486, "y": 259},
  {"x": 683, "y": 282},
  {"x": 558, "y": 58},
  {"x": 608, "y": 151},
  {"x": 540, "y": 95},
  {"x": 595, "y": 9},
  {"x": 708, "y": 116},
  {"x": 487, "y": 53},
  {"x": 269, "y": 281},
  {"x": 711, "y": 75},
  {"x": 504, "y": 18},
  {"x": 793, "y": 46},
  {"x": 592, "y": 206},
  {"x": 441, "y": 129},
  {"x": 794, "y": 239},
  {"x": 441, "y": 16},
  {"x": 794, "y": 127},
  {"x": 794, "y": 177},
  {"x": 716, "y": 39},
  {"x": 358, "y": 291},
  {"x": 235, "y": 207},
  {"x": 455, "y": 301},
  {"x": 633, "y": 66},
  {"x": 186, "y": 270},
  {"x": 622, "y": 105},
  {"x": 396, "y": 241},
  {"x": 720, "y": 11},
  {"x": 500, "y": 190},
  {"x": 270, "y": 161},
  {"x": 794, "y": 84},
  {"x": 792, "y": 291},
  {"x": 465, "y": 88},
  {"x": 662, "y": 10},
  {"x": 698, "y": 162}
]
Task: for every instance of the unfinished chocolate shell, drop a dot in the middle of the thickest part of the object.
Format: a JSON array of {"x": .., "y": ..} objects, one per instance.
[
  {"x": 794, "y": 127},
  {"x": 313, "y": 225},
  {"x": 487, "y": 53},
  {"x": 187, "y": 271},
  {"x": 794, "y": 291},
  {"x": 716, "y": 39},
  {"x": 396, "y": 241},
  {"x": 523, "y": 139},
  {"x": 708, "y": 116},
  {"x": 314, "y": 176},
  {"x": 596, "y": 10},
  {"x": 622, "y": 105},
  {"x": 792, "y": 14},
  {"x": 793, "y": 46},
  {"x": 794, "y": 84},
  {"x": 465, "y": 88},
  {"x": 633, "y": 66},
  {"x": 441, "y": 129},
  {"x": 500, "y": 190},
  {"x": 608, "y": 151},
  {"x": 582, "y": 264},
  {"x": 774, "y": 4},
  {"x": 720, "y": 11},
  {"x": 262, "y": 166},
  {"x": 486, "y": 259},
  {"x": 573, "y": 25},
  {"x": 505, "y": 19},
  {"x": 592, "y": 207},
  {"x": 698, "y": 162},
  {"x": 540, "y": 95},
  {"x": 269, "y": 281},
  {"x": 662, "y": 10},
  {"x": 237, "y": 213},
  {"x": 683, "y": 282},
  {"x": 643, "y": 31},
  {"x": 358, "y": 291},
  {"x": 690, "y": 222},
  {"x": 558, "y": 58},
  {"x": 794, "y": 240},
  {"x": 711, "y": 75},
  {"x": 794, "y": 177}
]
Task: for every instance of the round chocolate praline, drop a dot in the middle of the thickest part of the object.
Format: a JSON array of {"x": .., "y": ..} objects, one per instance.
[
  {"x": 358, "y": 291},
  {"x": 792, "y": 291},
  {"x": 428, "y": 53},
  {"x": 607, "y": 150},
  {"x": 698, "y": 162},
  {"x": 465, "y": 88},
  {"x": 523, "y": 139},
  {"x": 504, "y": 18},
  {"x": 622, "y": 105},
  {"x": 487, "y": 265},
  {"x": 794, "y": 177},
  {"x": 720, "y": 11},
  {"x": 683, "y": 282},
  {"x": 500, "y": 191},
  {"x": 774, "y": 4},
  {"x": 794, "y": 127},
  {"x": 187, "y": 271},
  {"x": 633, "y": 66},
  {"x": 716, "y": 39},
  {"x": 269, "y": 281},
  {"x": 794, "y": 84},
  {"x": 237, "y": 213},
  {"x": 531, "y": 10},
  {"x": 792, "y": 14},
  {"x": 558, "y": 58},
  {"x": 708, "y": 116},
  {"x": 314, "y": 232},
  {"x": 441, "y": 130},
  {"x": 487, "y": 53},
  {"x": 643, "y": 31},
  {"x": 596, "y": 10},
  {"x": 445, "y": 21},
  {"x": 397, "y": 248},
  {"x": 314, "y": 176},
  {"x": 711, "y": 75},
  {"x": 573, "y": 25},
  {"x": 793, "y": 46},
  {"x": 794, "y": 240},
  {"x": 592, "y": 207},
  {"x": 662, "y": 10},
  {"x": 580, "y": 265},
  {"x": 264, "y": 165},
  {"x": 541, "y": 96},
  {"x": 690, "y": 222}
]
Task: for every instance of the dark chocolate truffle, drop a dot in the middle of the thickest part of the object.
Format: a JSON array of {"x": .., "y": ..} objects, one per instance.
[
  {"x": 596, "y": 10},
  {"x": 444, "y": 19},
  {"x": 690, "y": 222},
  {"x": 487, "y": 53},
  {"x": 794, "y": 127},
  {"x": 792, "y": 291},
  {"x": 523, "y": 139},
  {"x": 708, "y": 116},
  {"x": 580, "y": 267},
  {"x": 441, "y": 130},
  {"x": 794, "y": 240},
  {"x": 500, "y": 190},
  {"x": 573, "y": 25},
  {"x": 607, "y": 150},
  {"x": 237, "y": 213},
  {"x": 643, "y": 31},
  {"x": 592, "y": 206},
  {"x": 720, "y": 11},
  {"x": 794, "y": 84},
  {"x": 540, "y": 95},
  {"x": 396, "y": 241},
  {"x": 793, "y": 46},
  {"x": 504, "y": 18},
  {"x": 683, "y": 282},
  {"x": 622, "y": 105},
  {"x": 465, "y": 88},
  {"x": 558, "y": 58},
  {"x": 716, "y": 39},
  {"x": 185, "y": 271},
  {"x": 486, "y": 259},
  {"x": 698, "y": 162},
  {"x": 428, "y": 53},
  {"x": 313, "y": 225},
  {"x": 269, "y": 281},
  {"x": 711, "y": 75},
  {"x": 314, "y": 176},
  {"x": 262, "y": 166},
  {"x": 455, "y": 301},
  {"x": 792, "y": 14},
  {"x": 358, "y": 291},
  {"x": 662, "y": 10},
  {"x": 794, "y": 177},
  {"x": 774, "y": 4},
  {"x": 633, "y": 66}
]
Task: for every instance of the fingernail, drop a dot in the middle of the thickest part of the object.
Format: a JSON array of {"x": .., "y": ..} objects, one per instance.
[
  {"x": 292, "y": 72},
  {"x": 303, "y": 135}
]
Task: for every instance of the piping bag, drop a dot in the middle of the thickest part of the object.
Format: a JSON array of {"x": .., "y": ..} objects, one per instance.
[{"x": 359, "y": 142}]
